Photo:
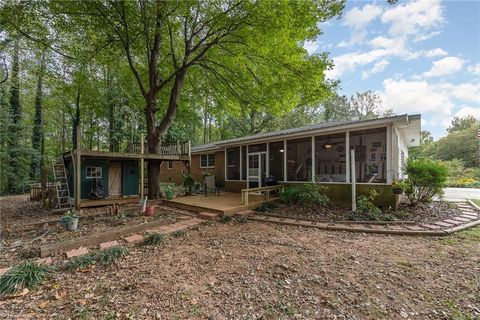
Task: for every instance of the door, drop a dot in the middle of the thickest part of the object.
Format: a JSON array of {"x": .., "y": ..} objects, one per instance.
[
  {"x": 115, "y": 179},
  {"x": 256, "y": 169}
]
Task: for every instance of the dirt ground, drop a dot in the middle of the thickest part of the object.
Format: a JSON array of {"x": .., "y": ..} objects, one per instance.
[
  {"x": 21, "y": 235},
  {"x": 262, "y": 271}
]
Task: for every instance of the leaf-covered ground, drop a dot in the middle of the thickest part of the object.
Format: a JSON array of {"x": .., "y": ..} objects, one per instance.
[{"x": 253, "y": 270}]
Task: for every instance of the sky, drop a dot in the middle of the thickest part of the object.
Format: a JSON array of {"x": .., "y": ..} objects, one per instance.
[{"x": 418, "y": 56}]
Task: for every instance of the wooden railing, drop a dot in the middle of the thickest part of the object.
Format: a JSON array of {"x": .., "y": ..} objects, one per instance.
[
  {"x": 171, "y": 149},
  {"x": 265, "y": 190}
]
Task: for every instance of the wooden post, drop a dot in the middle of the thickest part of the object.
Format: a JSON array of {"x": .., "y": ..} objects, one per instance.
[
  {"x": 189, "y": 157},
  {"x": 142, "y": 167},
  {"x": 43, "y": 190},
  {"x": 78, "y": 170}
]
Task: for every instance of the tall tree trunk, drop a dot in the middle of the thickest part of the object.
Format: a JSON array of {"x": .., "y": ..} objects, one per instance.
[
  {"x": 76, "y": 121},
  {"x": 15, "y": 126},
  {"x": 38, "y": 122}
]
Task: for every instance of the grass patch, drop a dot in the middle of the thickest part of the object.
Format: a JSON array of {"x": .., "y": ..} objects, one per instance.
[
  {"x": 404, "y": 263},
  {"x": 80, "y": 262},
  {"x": 153, "y": 239},
  {"x": 27, "y": 274},
  {"x": 179, "y": 234},
  {"x": 110, "y": 255},
  {"x": 476, "y": 201}
]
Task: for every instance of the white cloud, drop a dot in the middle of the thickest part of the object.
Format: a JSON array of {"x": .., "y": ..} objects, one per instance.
[
  {"x": 311, "y": 46},
  {"x": 445, "y": 66},
  {"x": 414, "y": 18},
  {"x": 438, "y": 100},
  {"x": 377, "y": 68},
  {"x": 468, "y": 111},
  {"x": 475, "y": 69},
  {"x": 438, "y": 52},
  {"x": 359, "y": 18}
]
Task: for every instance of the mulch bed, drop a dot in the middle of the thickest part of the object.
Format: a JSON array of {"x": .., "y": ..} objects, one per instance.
[{"x": 435, "y": 211}]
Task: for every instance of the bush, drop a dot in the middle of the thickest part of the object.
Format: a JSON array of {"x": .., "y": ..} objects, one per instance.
[
  {"x": 153, "y": 239},
  {"x": 366, "y": 210},
  {"x": 27, "y": 274},
  {"x": 307, "y": 194},
  {"x": 426, "y": 178}
]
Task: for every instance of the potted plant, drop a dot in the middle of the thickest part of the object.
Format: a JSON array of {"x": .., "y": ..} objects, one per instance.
[
  {"x": 397, "y": 187},
  {"x": 188, "y": 182},
  {"x": 69, "y": 220},
  {"x": 169, "y": 192}
]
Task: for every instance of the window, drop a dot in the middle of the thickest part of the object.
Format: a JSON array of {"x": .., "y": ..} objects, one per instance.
[
  {"x": 370, "y": 154},
  {"x": 299, "y": 159},
  {"x": 244, "y": 162},
  {"x": 94, "y": 172},
  {"x": 207, "y": 160},
  {"x": 169, "y": 165},
  {"x": 330, "y": 157},
  {"x": 233, "y": 163},
  {"x": 276, "y": 155}
]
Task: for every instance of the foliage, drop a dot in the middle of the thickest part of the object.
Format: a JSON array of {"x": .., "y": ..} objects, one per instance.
[
  {"x": 426, "y": 178},
  {"x": 179, "y": 234},
  {"x": 265, "y": 206},
  {"x": 188, "y": 182},
  {"x": 80, "y": 262},
  {"x": 153, "y": 239},
  {"x": 366, "y": 210},
  {"x": 459, "y": 176},
  {"x": 27, "y": 274},
  {"x": 226, "y": 218},
  {"x": 107, "y": 256},
  {"x": 460, "y": 124},
  {"x": 69, "y": 215},
  {"x": 308, "y": 194}
]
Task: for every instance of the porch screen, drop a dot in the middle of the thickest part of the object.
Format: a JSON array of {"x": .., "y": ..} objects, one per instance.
[
  {"x": 244, "y": 163},
  {"x": 299, "y": 159},
  {"x": 276, "y": 153},
  {"x": 330, "y": 157},
  {"x": 370, "y": 154},
  {"x": 233, "y": 163}
]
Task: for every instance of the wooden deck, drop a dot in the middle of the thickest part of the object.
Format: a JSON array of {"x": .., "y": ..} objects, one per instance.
[
  {"x": 84, "y": 203},
  {"x": 226, "y": 203}
]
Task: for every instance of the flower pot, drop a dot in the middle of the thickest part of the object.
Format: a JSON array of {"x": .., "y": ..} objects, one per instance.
[
  {"x": 397, "y": 190},
  {"x": 149, "y": 211},
  {"x": 70, "y": 224},
  {"x": 169, "y": 195}
]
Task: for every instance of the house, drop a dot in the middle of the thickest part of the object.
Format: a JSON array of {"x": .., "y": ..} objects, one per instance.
[{"x": 298, "y": 155}]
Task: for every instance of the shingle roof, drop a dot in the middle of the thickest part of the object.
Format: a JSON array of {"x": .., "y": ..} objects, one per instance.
[{"x": 286, "y": 132}]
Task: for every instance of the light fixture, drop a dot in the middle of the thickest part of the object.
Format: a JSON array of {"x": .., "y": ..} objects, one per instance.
[
  {"x": 281, "y": 150},
  {"x": 328, "y": 144}
]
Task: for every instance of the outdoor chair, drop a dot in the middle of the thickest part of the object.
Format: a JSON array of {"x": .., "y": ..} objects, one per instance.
[{"x": 210, "y": 184}]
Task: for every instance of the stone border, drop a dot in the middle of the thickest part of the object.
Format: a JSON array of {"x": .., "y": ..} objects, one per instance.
[{"x": 468, "y": 219}]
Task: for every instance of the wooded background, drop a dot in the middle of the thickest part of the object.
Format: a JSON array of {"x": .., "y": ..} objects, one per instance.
[{"x": 199, "y": 71}]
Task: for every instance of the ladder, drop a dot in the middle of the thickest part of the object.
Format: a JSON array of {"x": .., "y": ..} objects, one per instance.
[{"x": 61, "y": 185}]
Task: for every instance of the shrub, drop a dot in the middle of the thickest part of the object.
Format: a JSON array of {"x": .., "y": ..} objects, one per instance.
[
  {"x": 226, "y": 218},
  {"x": 153, "y": 239},
  {"x": 179, "y": 233},
  {"x": 366, "y": 210},
  {"x": 27, "y": 274},
  {"x": 265, "y": 206},
  {"x": 307, "y": 194},
  {"x": 290, "y": 195},
  {"x": 426, "y": 178},
  {"x": 109, "y": 255}
]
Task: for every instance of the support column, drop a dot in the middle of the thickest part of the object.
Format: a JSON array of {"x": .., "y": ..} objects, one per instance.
[
  {"x": 142, "y": 166},
  {"x": 389, "y": 154},
  {"x": 78, "y": 170},
  {"x": 284, "y": 160},
  {"x": 347, "y": 156},
  {"x": 313, "y": 159},
  {"x": 354, "y": 187}
]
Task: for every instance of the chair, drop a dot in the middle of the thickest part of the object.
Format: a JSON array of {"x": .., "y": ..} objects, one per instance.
[{"x": 211, "y": 184}]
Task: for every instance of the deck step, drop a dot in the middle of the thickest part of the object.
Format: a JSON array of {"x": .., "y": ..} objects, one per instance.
[
  {"x": 245, "y": 213},
  {"x": 209, "y": 215}
]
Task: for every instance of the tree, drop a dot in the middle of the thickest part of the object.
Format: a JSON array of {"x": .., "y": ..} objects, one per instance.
[
  {"x": 425, "y": 137},
  {"x": 459, "y": 124},
  {"x": 38, "y": 121},
  {"x": 368, "y": 105},
  {"x": 15, "y": 127}
]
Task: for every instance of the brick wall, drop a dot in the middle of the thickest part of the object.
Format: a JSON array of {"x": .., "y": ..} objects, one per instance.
[{"x": 176, "y": 173}]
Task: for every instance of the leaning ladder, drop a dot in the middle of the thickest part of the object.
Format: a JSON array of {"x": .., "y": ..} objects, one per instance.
[{"x": 61, "y": 185}]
